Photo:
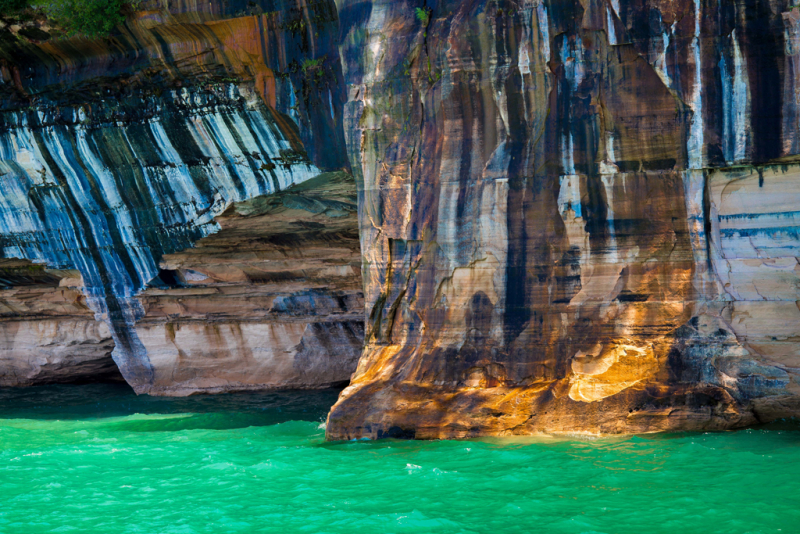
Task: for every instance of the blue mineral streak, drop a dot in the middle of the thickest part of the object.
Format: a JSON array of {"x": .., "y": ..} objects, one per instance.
[{"x": 108, "y": 191}]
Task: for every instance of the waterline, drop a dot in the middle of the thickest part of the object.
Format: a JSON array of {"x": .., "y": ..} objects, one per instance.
[{"x": 114, "y": 462}]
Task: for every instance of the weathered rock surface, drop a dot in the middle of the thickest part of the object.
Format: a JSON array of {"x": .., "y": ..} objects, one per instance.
[
  {"x": 273, "y": 299},
  {"x": 47, "y": 332},
  {"x": 575, "y": 216},
  {"x": 117, "y": 152}
]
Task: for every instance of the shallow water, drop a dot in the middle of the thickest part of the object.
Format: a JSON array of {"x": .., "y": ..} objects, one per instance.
[{"x": 97, "y": 458}]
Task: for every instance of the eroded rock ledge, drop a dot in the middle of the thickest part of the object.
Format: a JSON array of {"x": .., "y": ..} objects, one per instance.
[
  {"x": 47, "y": 332},
  {"x": 273, "y": 299}
]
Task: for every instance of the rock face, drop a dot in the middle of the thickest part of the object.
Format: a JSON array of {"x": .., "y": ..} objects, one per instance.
[
  {"x": 117, "y": 152},
  {"x": 47, "y": 332},
  {"x": 271, "y": 300},
  {"x": 575, "y": 216}
]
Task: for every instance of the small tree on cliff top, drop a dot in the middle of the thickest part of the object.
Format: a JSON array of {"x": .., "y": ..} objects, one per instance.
[{"x": 90, "y": 18}]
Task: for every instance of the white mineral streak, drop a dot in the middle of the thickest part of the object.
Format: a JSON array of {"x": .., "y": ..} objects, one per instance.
[
  {"x": 567, "y": 158},
  {"x": 735, "y": 105},
  {"x": 293, "y": 110},
  {"x": 524, "y": 66},
  {"x": 608, "y": 165},
  {"x": 705, "y": 281},
  {"x": 612, "y": 33},
  {"x": 696, "y": 140},
  {"x": 572, "y": 58},
  {"x": 660, "y": 63},
  {"x": 39, "y": 222},
  {"x": 524, "y": 62},
  {"x": 741, "y": 102},
  {"x": 534, "y": 53},
  {"x": 608, "y": 183},
  {"x": 574, "y": 69},
  {"x": 375, "y": 28},
  {"x": 569, "y": 206},
  {"x": 541, "y": 17}
]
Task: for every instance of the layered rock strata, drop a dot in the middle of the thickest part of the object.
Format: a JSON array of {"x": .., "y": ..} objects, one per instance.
[
  {"x": 47, "y": 332},
  {"x": 116, "y": 152},
  {"x": 575, "y": 216},
  {"x": 271, "y": 300}
]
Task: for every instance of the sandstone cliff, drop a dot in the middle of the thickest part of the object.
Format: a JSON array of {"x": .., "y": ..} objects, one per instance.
[
  {"x": 47, "y": 332},
  {"x": 575, "y": 216},
  {"x": 119, "y": 151}
]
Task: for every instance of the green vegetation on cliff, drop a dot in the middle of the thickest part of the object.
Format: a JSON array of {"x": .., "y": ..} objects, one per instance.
[{"x": 90, "y": 18}]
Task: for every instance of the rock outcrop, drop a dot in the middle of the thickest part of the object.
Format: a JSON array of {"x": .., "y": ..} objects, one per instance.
[
  {"x": 271, "y": 300},
  {"x": 47, "y": 332},
  {"x": 117, "y": 152},
  {"x": 575, "y": 216}
]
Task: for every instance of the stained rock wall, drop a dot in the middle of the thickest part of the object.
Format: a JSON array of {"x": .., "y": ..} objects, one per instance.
[
  {"x": 47, "y": 332},
  {"x": 575, "y": 216},
  {"x": 117, "y": 152}
]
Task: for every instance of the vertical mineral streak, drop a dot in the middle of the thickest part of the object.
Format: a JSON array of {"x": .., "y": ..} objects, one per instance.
[
  {"x": 575, "y": 256},
  {"x": 696, "y": 144}
]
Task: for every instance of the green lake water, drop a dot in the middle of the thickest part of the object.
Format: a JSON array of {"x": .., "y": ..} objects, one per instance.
[{"x": 96, "y": 458}]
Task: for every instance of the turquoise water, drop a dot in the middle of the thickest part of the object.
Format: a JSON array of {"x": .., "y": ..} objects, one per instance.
[{"x": 96, "y": 458}]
